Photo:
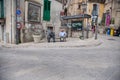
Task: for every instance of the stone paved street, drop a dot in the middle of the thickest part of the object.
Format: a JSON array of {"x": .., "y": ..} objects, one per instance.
[{"x": 77, "y": 63}]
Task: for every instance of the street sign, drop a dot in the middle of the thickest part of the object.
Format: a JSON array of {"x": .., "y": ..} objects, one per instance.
[
  {"x": 19, "y": 19},
  {"x": 19, "y": 25},
  {"x": 18, "y": 12}
]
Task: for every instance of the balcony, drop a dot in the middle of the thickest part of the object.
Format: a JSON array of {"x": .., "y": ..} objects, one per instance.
[
  {"x": 62, "y": 1},
  {"x": 97, "y": 1}
]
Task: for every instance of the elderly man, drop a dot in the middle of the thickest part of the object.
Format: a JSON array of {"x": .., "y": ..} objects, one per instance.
[
  {"x": 50, "y": 34},
  {"x": 62, "y": 35}
]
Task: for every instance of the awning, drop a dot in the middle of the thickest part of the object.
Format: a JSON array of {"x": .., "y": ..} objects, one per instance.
[{"x": 76, "y": 16}]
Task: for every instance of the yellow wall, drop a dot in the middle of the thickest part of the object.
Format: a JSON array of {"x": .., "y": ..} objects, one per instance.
[
  {"x": 101, "y": 10},
  {"x": 73, "y": 9}
]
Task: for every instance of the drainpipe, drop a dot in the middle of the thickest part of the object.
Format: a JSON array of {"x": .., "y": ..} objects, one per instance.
[
  {"x": 17, "y": 39},
  {"x": 11, "y": 20}
]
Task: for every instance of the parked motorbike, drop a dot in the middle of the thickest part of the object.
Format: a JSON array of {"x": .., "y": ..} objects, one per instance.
[{"x": 62, "y": 39}]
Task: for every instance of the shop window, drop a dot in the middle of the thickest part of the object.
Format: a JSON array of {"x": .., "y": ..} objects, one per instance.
[{"x": 77, "y": 25}]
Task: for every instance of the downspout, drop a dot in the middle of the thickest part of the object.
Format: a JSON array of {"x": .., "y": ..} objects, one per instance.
[
  {"x": 11, "y": 21},
  {"x": 111, "y": 8}
]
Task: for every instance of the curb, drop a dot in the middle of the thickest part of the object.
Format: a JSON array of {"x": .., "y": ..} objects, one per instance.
[{"x": 52, "y": 46}]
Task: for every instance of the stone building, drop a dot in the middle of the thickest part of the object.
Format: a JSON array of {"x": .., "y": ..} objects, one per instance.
[
  {"x": 75, "y": 8},
  {"x": 54, "y": 21},
  {"x": 112, "y": 8},
  {"x": 2, "y": 20},
  {"x": 20, "y": 19}
]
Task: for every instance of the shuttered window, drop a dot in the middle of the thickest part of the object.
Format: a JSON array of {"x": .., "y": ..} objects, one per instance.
[
  {"x": 1, "y": 8},
  {"x": 46, "y": 12},
  {"x": 95, "y": 10}
]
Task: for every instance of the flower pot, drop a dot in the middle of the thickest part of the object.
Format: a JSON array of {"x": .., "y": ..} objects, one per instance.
[{"x": 36, "y": 38}]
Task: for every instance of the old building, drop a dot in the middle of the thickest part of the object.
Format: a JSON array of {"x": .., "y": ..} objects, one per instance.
[
  {"x": 75, "y": 7},
  {"x": 112, "y": 10},
  {"x": 52, "y": 20},
  {"x": 81, "y": 7},
  {"x": 2, "y": 20},
  {"x": 19, "y": 19}
]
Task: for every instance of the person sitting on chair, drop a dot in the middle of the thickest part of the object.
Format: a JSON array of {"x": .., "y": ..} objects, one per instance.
[
  {"x": 50, "y": 35},
  {"x": 62, "y": 35}
]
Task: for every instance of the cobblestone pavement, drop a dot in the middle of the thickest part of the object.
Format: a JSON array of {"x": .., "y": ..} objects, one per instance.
[{"x": 82, "y": 63}]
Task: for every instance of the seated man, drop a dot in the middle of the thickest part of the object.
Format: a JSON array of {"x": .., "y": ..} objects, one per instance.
[
  {"x": 50, "y": 35},
  {"x": 62, "y": 36}
]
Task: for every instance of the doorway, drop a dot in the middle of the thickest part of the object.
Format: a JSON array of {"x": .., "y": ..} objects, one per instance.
[
  {"x": 2, "y": 27},
  {"x": 50, "y": 28},
  {"x": 2, "y": 32}
]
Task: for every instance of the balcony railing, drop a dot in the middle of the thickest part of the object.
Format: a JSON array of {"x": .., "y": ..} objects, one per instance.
[
  {"x": 98, "y": 1},
  {"x": 62, "y": 1}
]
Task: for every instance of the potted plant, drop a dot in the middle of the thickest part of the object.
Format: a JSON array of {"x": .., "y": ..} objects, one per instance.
[{"x": 37, "y": 36}]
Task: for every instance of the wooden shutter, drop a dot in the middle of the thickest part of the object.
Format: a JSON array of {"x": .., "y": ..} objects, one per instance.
[{"x": 46, "y": 12}]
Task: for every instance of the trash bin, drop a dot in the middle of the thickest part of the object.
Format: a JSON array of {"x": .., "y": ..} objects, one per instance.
[
  {"x": 108, "y": 31},
  {"x": 112, "y": 32}
]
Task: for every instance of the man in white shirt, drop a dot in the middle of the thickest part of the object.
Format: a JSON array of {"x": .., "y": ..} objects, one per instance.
[{"x": 62, "y": 35}]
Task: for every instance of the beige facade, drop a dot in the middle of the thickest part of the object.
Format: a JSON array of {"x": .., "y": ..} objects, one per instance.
[
  {"x": 113, "y": 7},
  {"x": 10, "y": 32},
  {"x": 8, "y": 27},
  {"x": 54, "y": 22},
  {"x": 28, "y": 24},
  {"x": 74, "y": 8},
  {"x": 100, "y": 10}
]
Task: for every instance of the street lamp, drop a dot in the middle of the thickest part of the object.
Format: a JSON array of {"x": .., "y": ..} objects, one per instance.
[
  {"x": 84, "y": 6},
  {"x": 95, "y": 14}
]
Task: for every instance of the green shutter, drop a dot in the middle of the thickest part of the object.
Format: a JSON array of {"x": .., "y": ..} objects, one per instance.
[
  {"x": 46, "y": 12},
  {"x": 1, "y": 9}
]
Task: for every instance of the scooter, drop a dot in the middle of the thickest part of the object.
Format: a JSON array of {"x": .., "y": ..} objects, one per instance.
[{"x": 62, "y": 39}]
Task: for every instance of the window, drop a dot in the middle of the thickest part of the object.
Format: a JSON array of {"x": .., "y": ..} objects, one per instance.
[
  {"x": 79, "y": 6},
  {"x": 94, "y": 6},
  {"x": 95, "y": 10},
  {"x": 76, "y": 25}
]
